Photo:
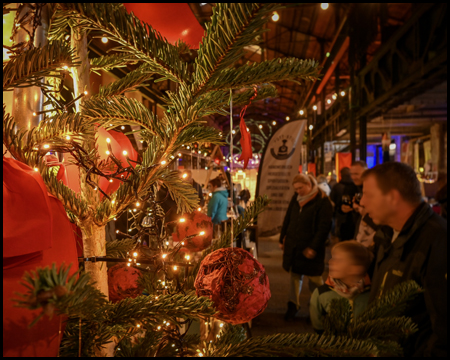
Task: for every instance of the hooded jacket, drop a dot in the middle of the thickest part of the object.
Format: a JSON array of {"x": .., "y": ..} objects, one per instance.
[
  {"x": 419, "y": 253},
  {"x": 217, "y": 206}
]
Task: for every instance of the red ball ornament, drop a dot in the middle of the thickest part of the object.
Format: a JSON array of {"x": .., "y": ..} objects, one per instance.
[
  {"x": 194, "y": 223},
  {"x": 236, "y": 283},
  {"x": 122, "y": 282}
]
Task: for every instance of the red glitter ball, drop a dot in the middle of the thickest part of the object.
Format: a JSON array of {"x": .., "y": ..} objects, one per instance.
[
  {"x": 194, "y": 223},
  {"x": 122, "y": 282},
  {"x": 236, "y": 283}
]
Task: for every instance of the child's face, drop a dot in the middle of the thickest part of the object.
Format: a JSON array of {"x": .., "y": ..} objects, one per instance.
[{"x": 341, "y": 265}]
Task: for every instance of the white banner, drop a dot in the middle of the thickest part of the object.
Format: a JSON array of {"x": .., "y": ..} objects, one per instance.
[{"x": 279, "y": 165}]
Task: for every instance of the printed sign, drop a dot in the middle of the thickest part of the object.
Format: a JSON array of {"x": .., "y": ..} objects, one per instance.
[{"x": 279, "y": 165}]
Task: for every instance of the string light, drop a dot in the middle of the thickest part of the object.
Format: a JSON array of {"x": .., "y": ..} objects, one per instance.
[
  {"x": 182, "y": 243},
  {"x": 135, "y": 254},
  {"x": 234, "y": 132},
  {"x": 328, "y": 101},
  {"x": 179, "y": 154},
  {"x": 199, "y": 209},
  {"x": 275, "y": 16},
  {"x": 315, "y": 107},
  {"x": 107, "y": 152},
  {"x": 202, "y": 233},
  {"x": 167, "y": 243},
  {"x": 324, "y": 6},
  {"x": 117, "y": 231},
  {"x": 110, "y": 180},
  {"x": 122, "y": 127},
  {"x": 182, "y": 220},
  {"x": 124, "y": 152},
  {"x": 104, "y": 40},
  {"x": 85, "y": 92},
  {"x": 34, "y": 114},
  {"x": 311, "y": 127},
  {"x": 65, "y": 67},
  {"x": 260, "y": 126},
  {"x": 128, "y": 264},
  {"x": 67, "y": 137},
  {"x": 334, "y": 96},
  {"x": 36, "y": 169},
  {"x": 108, "y": 140},
  {"x": 46, "y": 146},
  {"x": 342, "y": 93},
  {"x": 301, "y": 112},
  {"x": 274, "y": 123},
  {"x": 138, "y": 325},
  {"x": 163, "y": 162},
  {"x": 138, "y": 204},
  {"x": 187, "y": 257},
  {"x": 288, "y": 118},
  {"x": 164, "y": 256},
  {"x": 185, "y": 176}
]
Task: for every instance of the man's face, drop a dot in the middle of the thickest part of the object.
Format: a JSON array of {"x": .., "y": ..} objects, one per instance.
[
  {"x": 302, "y": 189},
  {"x": 379, "y": 206},
  {"x": 356, "y": 173}
]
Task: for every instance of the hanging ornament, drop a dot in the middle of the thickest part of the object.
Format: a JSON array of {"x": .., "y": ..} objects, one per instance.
[
  {"x": 195, "y": 223},
  {"x": 122, "y": 282},
  {"x": 236, "y": 283},
  {"x": 246, "y": 140}
]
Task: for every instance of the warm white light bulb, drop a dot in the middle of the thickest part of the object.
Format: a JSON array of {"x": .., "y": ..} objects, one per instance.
[
  {"x": 135, "y": 254},
  {"x": 67, "y": 137},
  {"x": 324, "y": 6},
  {"x": 275, "y": 16},
  {"x": 122, "y": 127},
  {"x": 164, "y": 256},
  {"x": 260, "y": 126},
  {"x": 108, "y": 140},
  {"x": 163, "y": 162},
  {"x": 175, "y": 268},
  {"x": 274, "y": 123},
  {"x": 329, "y": 101},
  {"x": 301, "y": 112},
  {"x": 182, "y": 220},
  {"x": 202, "y": 233},
  {"x": 125, "y": 152},
  {"x": 46, "y": 146},
  {"x": 288, "y": 118},
  {"x": 311, "y": 127},
  {"x": 104, "y": 40},
  {"x": 199, "y": 209},
  {"x": 85, "y": 92},
  {"x": 107, "y": 152},
  {"x": 342, "y": 93},
  {"x": 138, "y": 204},
  {"x": 185, "y": 176}
]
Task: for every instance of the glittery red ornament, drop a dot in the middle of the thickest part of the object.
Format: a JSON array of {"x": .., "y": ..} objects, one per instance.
[
  {"x": 194, "y": 223},
  {"x": 236, "y": 283},
  {"x": 122, "y": 282}
]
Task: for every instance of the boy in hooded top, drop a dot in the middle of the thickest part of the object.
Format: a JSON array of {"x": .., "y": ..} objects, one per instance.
[{"x": 347, "y": 279}]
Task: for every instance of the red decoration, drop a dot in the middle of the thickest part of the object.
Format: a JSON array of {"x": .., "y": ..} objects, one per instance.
[
  {"x": 246, "y": 140},
  {"x": 36, "y": 233},
  {"x": 194, "y": 223},
  {"x": 236, "y": 283},
  {"x": 122, "y": 282}
]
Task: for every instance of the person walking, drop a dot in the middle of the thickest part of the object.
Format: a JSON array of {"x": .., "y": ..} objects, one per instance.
[
  {"x": 303, "y": 236},
  {"x": 413, "y": 246}
]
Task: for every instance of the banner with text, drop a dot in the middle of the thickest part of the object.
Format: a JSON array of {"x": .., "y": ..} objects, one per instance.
[{"x": 279, "y": 165}]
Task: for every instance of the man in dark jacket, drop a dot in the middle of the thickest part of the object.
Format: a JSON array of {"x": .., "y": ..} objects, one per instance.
[
  {"x": 344, "y": 221},
  {"x": 412, "y": 246}
]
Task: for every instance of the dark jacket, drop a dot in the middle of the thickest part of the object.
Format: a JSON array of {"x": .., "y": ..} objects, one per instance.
[
  {"x": 306, "y": 227},
  {"x": 419, "y": 253}
]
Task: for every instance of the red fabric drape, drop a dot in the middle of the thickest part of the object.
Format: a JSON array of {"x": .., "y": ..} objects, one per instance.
[
  {"x": 342, "y": 160},
  {"x": 36, "y": 233}
]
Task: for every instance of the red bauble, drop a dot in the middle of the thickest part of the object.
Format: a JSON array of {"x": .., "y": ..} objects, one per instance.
[
  {"x": 194, "y": 223},
  {"x": 236, "y": 283},
  {"x": 122, "y": 282}
]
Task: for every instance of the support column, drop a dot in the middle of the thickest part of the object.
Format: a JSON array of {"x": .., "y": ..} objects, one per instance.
[
  {"x": 352, "y": 125},
  {"x": 29, "y": 99},
  {"x": 363, "y": 138}
]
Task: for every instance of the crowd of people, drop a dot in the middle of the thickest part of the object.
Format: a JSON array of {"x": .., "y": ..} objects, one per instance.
[{"x": 385, "y": 234}]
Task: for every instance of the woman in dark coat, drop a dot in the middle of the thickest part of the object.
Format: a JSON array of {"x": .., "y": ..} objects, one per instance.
[{"x": 303, "y": 237}]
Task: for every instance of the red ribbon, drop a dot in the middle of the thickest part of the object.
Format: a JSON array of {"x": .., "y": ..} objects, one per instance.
[{"x": 246, "y": 140}]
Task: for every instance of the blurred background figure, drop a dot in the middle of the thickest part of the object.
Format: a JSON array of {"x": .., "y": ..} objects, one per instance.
[
  {"x": 217, "y": 205},
  {"x": 441, "y": 195},
  {"x": 186, "y": 175},
  {"x": 332, "y": 180},
  {"x": 323, "y": 185}
]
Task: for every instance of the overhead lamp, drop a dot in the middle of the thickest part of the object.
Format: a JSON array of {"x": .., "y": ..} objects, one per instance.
[
  {"x": 329, "y": 101},
  {"x": 315, "y": 107},
  {"x": 288, "y": 118},
  {"x": 342, "y": 93},
  {"x": 324, "y": 6},
  {"x": 275, "y": 16},
  {"x": 301, "y": 112}
]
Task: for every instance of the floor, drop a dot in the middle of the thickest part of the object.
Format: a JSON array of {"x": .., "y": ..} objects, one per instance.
[{"x": 271, "y": 320}]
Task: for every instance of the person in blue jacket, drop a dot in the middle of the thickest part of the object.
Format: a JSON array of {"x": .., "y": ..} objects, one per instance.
[{"x": 217, "y": 206}]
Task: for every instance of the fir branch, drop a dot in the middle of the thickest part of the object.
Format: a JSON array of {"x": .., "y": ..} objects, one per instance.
[
  {"x": 200, "y": 135},
  {"x": 119, "y": 248},
  {"x": 266, "y": 71},
  {"x": 233, "y": 26},
  {"x": 296, "y": 345},
  {"x": 144, "y": 346},
  {"x": 383, "y": 329},
  {"x": 30, "y": 67},
  {"x": 109, "y": 62},
  {"x": 134, "y": 37},
  {"x": 337, "y": 321},
  {"x": 393, "y": 303},
  {"x": 129, "y": 82}
]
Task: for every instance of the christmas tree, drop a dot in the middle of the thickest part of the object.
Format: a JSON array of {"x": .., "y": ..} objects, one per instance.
[{"x": 153, "y": 324}]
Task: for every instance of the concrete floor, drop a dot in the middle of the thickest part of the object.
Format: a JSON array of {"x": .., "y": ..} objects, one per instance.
[{"x": 271, "y": 320}]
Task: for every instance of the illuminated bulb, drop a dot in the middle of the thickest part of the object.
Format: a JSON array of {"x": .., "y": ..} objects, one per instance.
[
  {"x": 36, "y": 169},
  {"x": 301, "y": 112},
  {"x": 168, "y": 324},
  {"x": 342, "y": 93},
  {"x": 67, "y": 137},
  {"x": 46, "y": 146},
  {"x": 128, "y": 264},
  {"x": 329, "y": 101},
  {"x": 260, "y": 126},
  {"x": 137, "y": 204},
  {"x": 164, "y": 283},
  {"x": 311, "y": 127},
  {"x": 199, "y": 209},
  {"x": 334, "y": 96},
  {"x": 107, "y": 152},
  {"x": 129, "y": 230},
  {"x": 200, "y": 354},
  {"x": 274, "y": 123},
  {"x": 185, "y": 176},
  {"x": 108, "y": 140},
  {"x": 115, "y": 219},
  {"x": 138, "y": 325},
  {"x": 182, "y": 243},
  {"x": 221, "y": 325},
  {"x": 104, "y": 40},
  {"x": 248, "y": 129},
  {"x": 234, "y": 132},
  {"x": 210, "y": 194},
  {"x": 164, "y": 256},
  {"x": 275, "y": 16},
  {"x": 202, "y": 233},
  {"x": 205, "y": 154},
  {"x": 122, "y": 127},
  {"x": 134, "y": 210},
  {"x": 34, "y": 114},
  {"x": 65, "y": 67},
  {"x": 85, "y": 92},
  {"x": 67, "y": 37},
  {"x": 159, "y": 327},
  {"x": 167, "y": 243},
  {"x": 288, "y": 118},
  {"x": 135, "y": 254},
  {"x": 110, "y": 180},
  {"x": 175, "y": 268},
  {"x": 117, "y": 231},
  {"x": 163, "y": 162},
  {"x": 315, "y": 107},
  {"x": 324, "y": 6},
  {"x": 182, "y": 220},
  {"x": 187, "y": 257},
  {"x": 95, "y": 188},
  {"x": 187, "y": 147},
  {"x": 125, "y": 152},
  {"x": 130, "y": 260}
]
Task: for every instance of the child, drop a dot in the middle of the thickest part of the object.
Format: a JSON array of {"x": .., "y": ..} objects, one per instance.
[{"x": 347, "y": 278}]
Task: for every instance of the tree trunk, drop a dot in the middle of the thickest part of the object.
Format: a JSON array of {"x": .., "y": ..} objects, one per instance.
[{"x": 94, "y": 244}]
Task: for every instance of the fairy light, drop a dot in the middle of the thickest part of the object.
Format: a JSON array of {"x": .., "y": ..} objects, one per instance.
[
  {"x": 315, "y": 107},
  {"x": 104, "y": 39},
  {"x": 36, "y": 169},
  {"x": 164, "y": 256},
  {"x": 179, "y": 154},
  {"x": 275, "y": 16},
  {"x": 130, "y": 260},
  {"x": 128, "y": 264},
  {"x": 182, "y": 243},
  {"x": 65, "y": 67},
  {"x": 167, "y": 243},
  {"x": 175, "y": 268},
  {"x": 138, "y": 325},
  {"x": 110, "y": 180},
  {"x": 182, "y": 220},
  {"x": 138, "y": 204},
  {"x": 329, "y": 101},
  {"x": 159, "y": 327},
  {"x": 108, "y": 140},
  {"x": 122, "y": 127},
  {"x": 202, "y": 233},
  {"x": 163, "y": 162},
  {"x": 134, "y": 210},
  {"x": 311, "y": 127},
  {"x": 117, "y": 231},
  {"x": 234, "y": 132},
  {"x": 334, "y": 96},
  {"x": 288, "y": 118},
  {"x": 129, "y": 230},
  {"x": 85, "y": 92},
  {"x": 135, "y": 254},
  {"x": 107, "y": 152},
  {"x": 187, "y": 147},
  {"x": 113, "y": 202},
  {"x": 342, "y": 93},
  {"x": 301, "y": 112},
  {"x": 187, "y": 257},
  {"x": 67, "y": 137},
  {"x": 324, "y": 6},
  {"x": 115, "y": 219},
  {"x": 221, "y": 325},
  {"x": 125, "y": 153},
  {"x": 274, "y": 123},
  {"x": 34, "y": 114},
  {"x": 199, "y": 209},
  {"x": 260, "y": 126},
  {"x": 46, "y": 146}
]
